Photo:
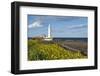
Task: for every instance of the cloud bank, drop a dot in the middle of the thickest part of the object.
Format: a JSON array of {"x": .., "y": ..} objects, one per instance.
[{"x": 35, "y": 24}]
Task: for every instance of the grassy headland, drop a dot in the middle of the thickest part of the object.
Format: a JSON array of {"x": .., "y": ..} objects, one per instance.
[{"x": 42, "y": 50}]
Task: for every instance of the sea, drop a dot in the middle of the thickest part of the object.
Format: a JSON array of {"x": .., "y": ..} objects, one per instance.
[{"x": 72, "y": 39}]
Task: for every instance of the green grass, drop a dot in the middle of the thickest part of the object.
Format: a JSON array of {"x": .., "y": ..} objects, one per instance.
[{"x": 38, "y": 50}]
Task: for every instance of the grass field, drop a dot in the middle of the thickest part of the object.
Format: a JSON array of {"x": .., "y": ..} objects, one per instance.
[{"x": 40, "y": 50}]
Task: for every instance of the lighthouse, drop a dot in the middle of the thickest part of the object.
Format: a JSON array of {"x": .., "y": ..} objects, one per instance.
[
  {"x": 49, "y": 31},
  {"x": 49, "y": 37}
]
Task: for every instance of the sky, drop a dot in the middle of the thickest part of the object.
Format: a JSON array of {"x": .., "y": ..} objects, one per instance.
[{"x": 61, "y": 26}]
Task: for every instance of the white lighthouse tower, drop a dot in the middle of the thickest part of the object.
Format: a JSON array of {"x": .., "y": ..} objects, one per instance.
[
  {"x": 49, "y": 31},
  {"x": 49, "y": 37}
]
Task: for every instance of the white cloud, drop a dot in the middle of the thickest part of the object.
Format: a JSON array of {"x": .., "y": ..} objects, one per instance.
[
  {"x": 78, "y": 26},
  {"x": 35, "y": 24}
]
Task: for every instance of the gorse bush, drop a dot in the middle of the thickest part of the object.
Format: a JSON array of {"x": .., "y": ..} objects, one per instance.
[{"x": 39, "y": 50}]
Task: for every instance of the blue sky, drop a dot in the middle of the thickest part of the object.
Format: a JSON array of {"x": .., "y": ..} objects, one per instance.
[{"x": 61, "y": 26}]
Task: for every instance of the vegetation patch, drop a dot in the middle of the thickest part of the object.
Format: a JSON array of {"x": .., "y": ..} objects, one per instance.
[{"x": 40, "y": 50}]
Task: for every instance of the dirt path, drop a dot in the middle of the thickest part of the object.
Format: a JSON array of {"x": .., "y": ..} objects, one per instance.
[{"x": 72, "y": 49}]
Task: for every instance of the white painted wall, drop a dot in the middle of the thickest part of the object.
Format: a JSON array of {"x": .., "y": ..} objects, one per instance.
[{"x": 5, "y": 27}]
